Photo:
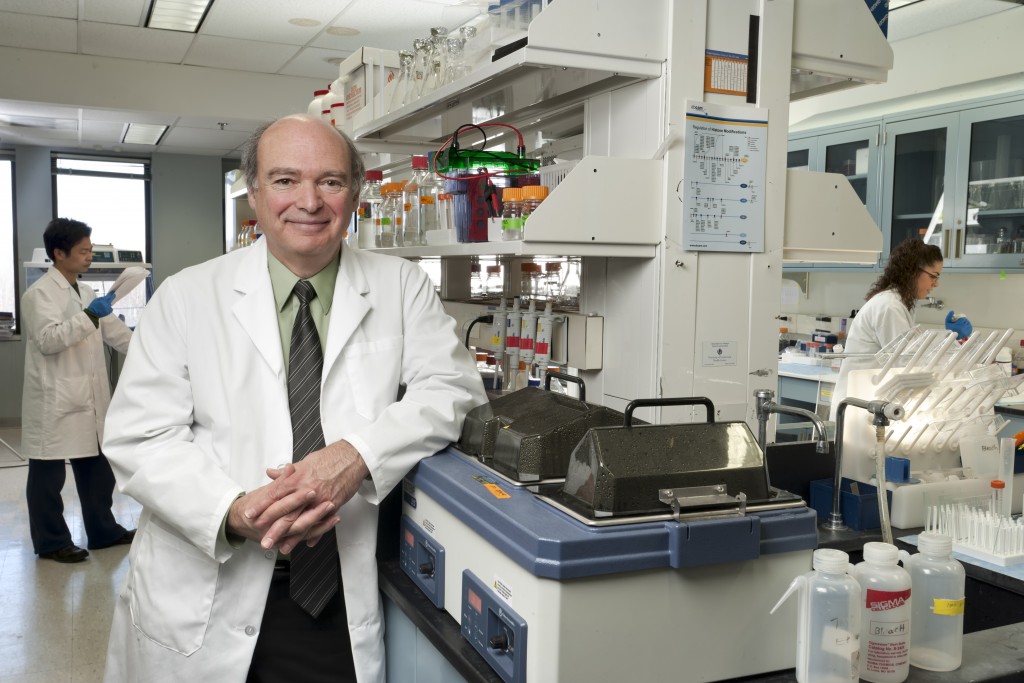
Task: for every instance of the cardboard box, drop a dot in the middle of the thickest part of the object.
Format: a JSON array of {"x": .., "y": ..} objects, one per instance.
[{"x": 367, "y": 71}]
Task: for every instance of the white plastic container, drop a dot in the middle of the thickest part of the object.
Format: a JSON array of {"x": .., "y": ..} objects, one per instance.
[
  {"x": 828, "y": 620},
  {"x": 936, "y": 642},
  {"x": 885, "y": 615}
]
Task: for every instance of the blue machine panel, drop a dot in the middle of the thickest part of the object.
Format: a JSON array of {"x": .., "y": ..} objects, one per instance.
[
  {"x": 422, "y": 559},
  {"x": 494, "y": 630}
]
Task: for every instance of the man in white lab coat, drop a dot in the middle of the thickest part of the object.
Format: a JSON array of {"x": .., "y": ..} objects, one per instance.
[
  {"x": 200, "y": 426},
  {"x": 65, "y": 396}
]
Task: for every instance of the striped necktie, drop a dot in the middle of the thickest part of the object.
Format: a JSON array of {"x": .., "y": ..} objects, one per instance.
[{"x": 314, "y": 571}]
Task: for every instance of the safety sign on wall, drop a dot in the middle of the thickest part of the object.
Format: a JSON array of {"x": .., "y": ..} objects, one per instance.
[{"x": 724, "y": 178}]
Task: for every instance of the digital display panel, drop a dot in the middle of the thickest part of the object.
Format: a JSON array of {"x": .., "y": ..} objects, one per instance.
[{"x": 474, "y": 600}]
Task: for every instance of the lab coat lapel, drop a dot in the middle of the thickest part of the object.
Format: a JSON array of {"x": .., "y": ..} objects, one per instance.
[
  {"x": 256, "y": 311},
  {"x": 349, "y": 307}
]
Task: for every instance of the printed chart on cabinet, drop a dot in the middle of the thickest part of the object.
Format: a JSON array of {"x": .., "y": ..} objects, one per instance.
[{"x": 724, "y": 178}]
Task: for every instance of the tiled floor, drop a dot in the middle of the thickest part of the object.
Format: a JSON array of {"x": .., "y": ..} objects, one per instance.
[{"x": 54, "y": 618}]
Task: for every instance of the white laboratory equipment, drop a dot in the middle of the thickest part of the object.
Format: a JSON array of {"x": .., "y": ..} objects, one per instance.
[{"x": 108, "y": 262}]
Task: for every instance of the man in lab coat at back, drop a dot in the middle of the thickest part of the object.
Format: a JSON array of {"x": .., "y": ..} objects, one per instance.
[{"x": 201, "y": 427}]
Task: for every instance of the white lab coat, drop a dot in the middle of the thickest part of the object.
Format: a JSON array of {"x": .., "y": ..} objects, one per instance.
[
  {"x": 883, "y": 318},
  {"x": 66, "y": 390},
  {"x": 201, "y": 410}
]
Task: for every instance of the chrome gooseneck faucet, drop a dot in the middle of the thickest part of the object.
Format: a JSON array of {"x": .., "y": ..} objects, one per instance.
[
  {"x": 883, "y": 412},
  {"x": 766, "y": 406}
]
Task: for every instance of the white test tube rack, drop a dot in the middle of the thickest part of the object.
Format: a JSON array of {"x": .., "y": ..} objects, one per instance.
[{"x": 979, "y": 532}]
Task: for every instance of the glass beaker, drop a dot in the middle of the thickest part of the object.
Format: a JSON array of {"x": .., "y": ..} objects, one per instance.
[{"x": 422, "y": 47}]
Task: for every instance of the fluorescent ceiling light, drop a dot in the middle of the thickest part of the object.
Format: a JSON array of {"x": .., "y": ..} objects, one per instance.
[
  {"x": 177, "y": 15},
  {"x": 144, "y": 133}
]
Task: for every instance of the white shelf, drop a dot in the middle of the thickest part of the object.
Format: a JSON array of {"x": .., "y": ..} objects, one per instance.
[
  {"x": 607, "y": 48},
  {"x": 524, "y": 248},
  {"x": 583, "y": 216}
]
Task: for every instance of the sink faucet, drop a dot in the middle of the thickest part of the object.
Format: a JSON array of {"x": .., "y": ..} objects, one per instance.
[
  {"x": 932, "y": 302},
  {"x": 766, "y": 406},
  {"x": 883, "y": 412}
]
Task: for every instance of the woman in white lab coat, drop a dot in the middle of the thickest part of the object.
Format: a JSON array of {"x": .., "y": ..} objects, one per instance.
[
  {"x": 65, "y": 396},
  {"x": 911, "y": 274}
]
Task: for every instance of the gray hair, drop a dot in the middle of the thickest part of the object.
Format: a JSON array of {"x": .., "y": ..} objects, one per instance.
[{"x": 357, "y": 169}]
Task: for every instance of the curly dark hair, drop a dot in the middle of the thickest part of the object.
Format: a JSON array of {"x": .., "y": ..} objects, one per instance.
[{"x": 906, "y": 262}]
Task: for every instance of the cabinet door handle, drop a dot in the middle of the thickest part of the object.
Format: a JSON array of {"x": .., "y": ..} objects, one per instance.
[
  {"x": 945, "y": 244},
  {"x": 956, "y": 242}
]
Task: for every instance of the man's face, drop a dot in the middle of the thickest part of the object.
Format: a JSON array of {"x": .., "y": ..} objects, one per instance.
[
  {"x": 77, "y": 259},
  {"x": 303, "y": 200}
]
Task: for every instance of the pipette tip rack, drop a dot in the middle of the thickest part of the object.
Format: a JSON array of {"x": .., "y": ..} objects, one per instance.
[{"x": 979, "y": 533}]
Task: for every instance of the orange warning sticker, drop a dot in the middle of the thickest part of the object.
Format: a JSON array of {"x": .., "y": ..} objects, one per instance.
[{"x": 496, "y": 490}]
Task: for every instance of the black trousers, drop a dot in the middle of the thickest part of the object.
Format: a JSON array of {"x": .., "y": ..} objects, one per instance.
[
  {"x": 293, "y": 647},
  {"x": 95, "y": 483}
]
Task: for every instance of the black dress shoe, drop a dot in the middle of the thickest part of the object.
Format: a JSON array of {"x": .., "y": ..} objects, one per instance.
[
  {"x": 67, "y": 554},
  {"x": 124, "y": 539}
]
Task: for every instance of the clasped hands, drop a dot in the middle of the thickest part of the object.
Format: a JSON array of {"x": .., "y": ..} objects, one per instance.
[{"x": 301, "y": 503}]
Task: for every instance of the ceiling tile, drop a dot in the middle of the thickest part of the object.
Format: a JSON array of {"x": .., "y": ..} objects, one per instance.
[
  {"x": 116, "y": 116},
  {"x": 25, "y": 30},
  {"x": 124, "y": 12},
  {"x": 195, "y": 151},
  {"x": 103, "y": 132},
  {"x": 129, "y": 42},
  {"x": 268, "y": 19},
  {"x": 311, "y": 62},
  {"x": 15, "y": 107},
  {"x": 242, "y": 55},
  {"x": 67, "y": 9},
  {"x": 203, "y": 137},
  {"x": 244, "y": 126}
]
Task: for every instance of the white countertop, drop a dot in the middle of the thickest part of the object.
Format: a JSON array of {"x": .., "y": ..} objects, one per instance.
[{"x": 814, "y": 373}]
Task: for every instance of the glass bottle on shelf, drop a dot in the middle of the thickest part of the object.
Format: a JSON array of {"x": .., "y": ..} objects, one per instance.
[
  {"x": 404, "y": 87},
  {"x": 438, "y": 51},
  {"x": 476, "y": 283},
  {"x": 369, "y": 209},
  {"x": 389, "y": 222},
  {"x": 493, "y": 286},
  {"x": 530, "y": 284},
  {"x": 512, "y": 213},
  {"x": 412, "y": 230},
  {"x": 445, "y": 212},
  {"x": 572, "y": 282},
  {"x": 432, "y": 186},
  {"x": 553, "y": 281}
]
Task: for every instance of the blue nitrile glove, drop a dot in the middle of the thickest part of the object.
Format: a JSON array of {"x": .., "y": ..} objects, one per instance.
[
  {"x": 962, "y": 326},
  {"x": 102, "y": 306}
]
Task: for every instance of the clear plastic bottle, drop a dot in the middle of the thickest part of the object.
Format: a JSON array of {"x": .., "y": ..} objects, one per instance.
[
  {"x": 404, "y": 91},
  {"x": 389, "y": 222},
  {"x": 413, "y": 231},
  {"x": 445, "y": 212},
  {"x": 885, "y": 619},
  {"x": 431, "y": 186},
  {"x": 937, "y": 637},
  {"x": 828, "y": 620},
  {"x": 369, "y": 210},
  {"x": 512, "y": 213}
]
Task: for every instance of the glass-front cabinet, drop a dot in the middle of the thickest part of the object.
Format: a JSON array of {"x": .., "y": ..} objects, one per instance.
[
  {"x": 956, "y": 180},
  {"x": 851, "y": 153},
  {"x": 989, "y": 229},
  {"x": 919, "y": 164}
]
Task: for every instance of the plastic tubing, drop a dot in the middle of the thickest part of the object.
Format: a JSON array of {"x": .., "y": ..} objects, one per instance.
[{"x": 883, "y": 498}]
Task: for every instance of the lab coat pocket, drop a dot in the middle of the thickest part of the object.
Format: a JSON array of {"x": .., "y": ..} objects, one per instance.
[
  {"x": 172, "y": 586},
  {"x": 72, "y": 395},
  {"x": 374, "y": 371}
]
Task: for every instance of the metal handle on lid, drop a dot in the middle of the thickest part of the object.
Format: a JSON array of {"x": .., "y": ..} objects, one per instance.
[
  {"x": 568, "y": 378},
  {"x": 681, "y": 401}
]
